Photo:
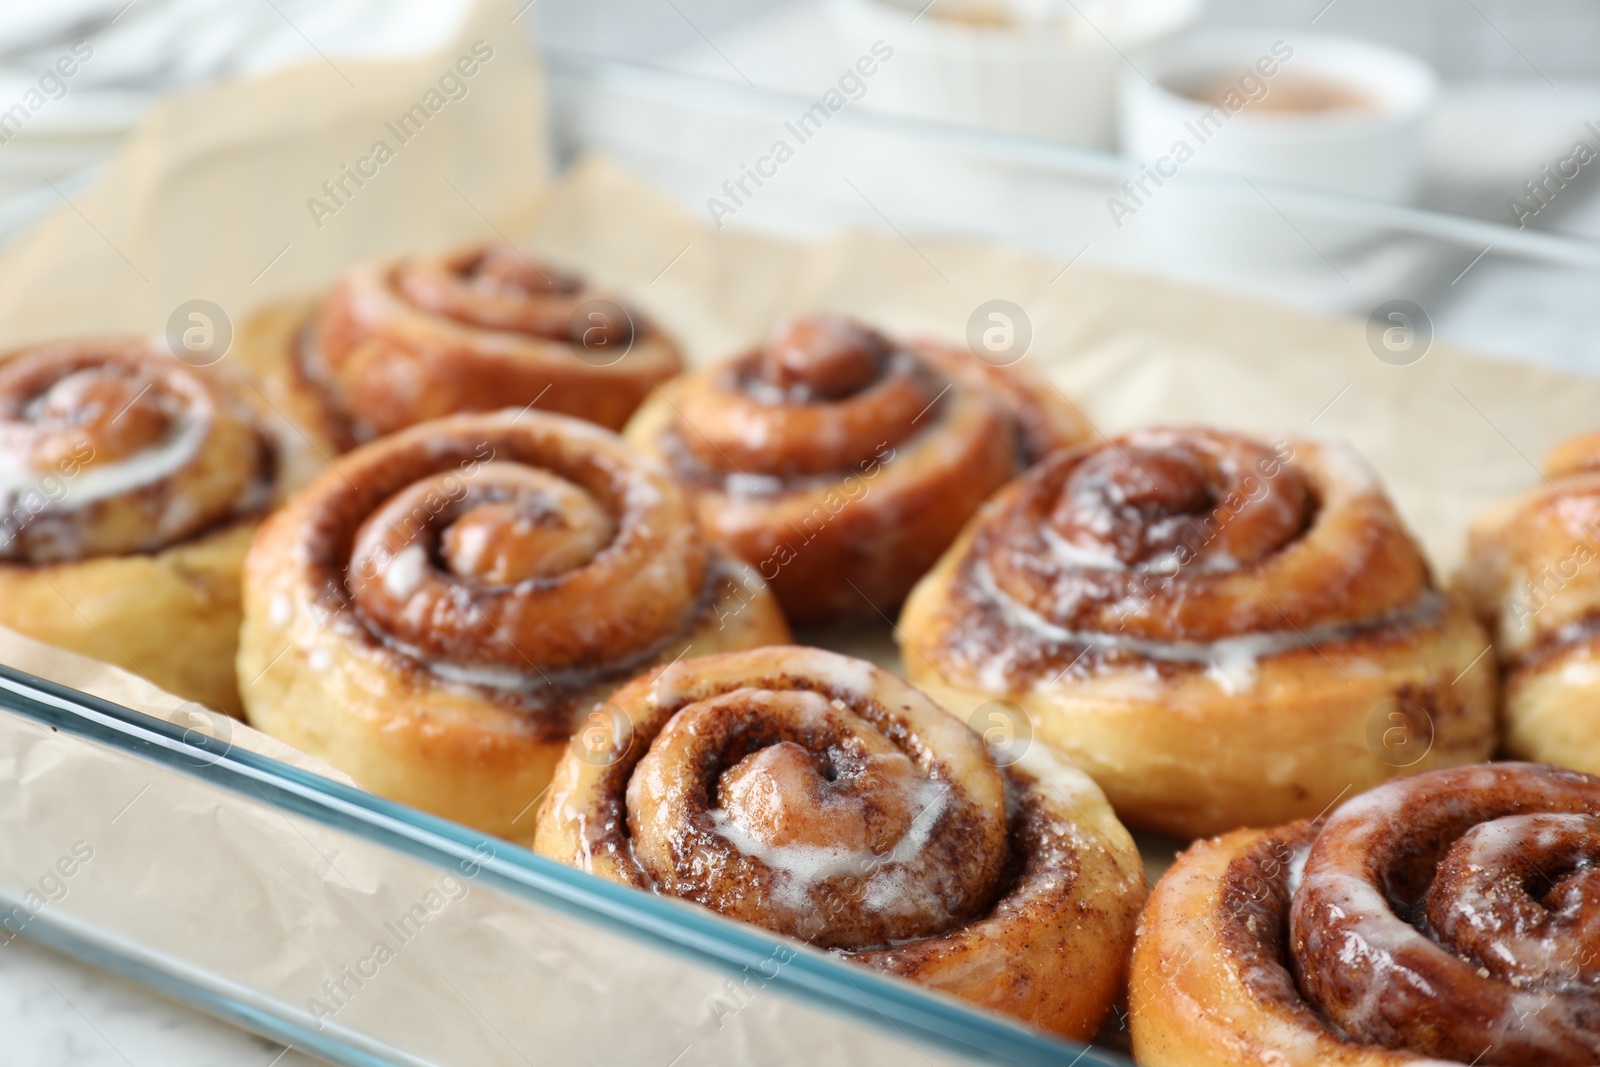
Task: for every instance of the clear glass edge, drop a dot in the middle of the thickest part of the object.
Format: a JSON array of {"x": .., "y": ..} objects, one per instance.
[
  {"x": 879, "y": 1001},
  {"x": 714, "y": 94}
]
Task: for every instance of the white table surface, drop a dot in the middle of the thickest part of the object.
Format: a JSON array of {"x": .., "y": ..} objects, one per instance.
[{"x": 56, "y": 1012}]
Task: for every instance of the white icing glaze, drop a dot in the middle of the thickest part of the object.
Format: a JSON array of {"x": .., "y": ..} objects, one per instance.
[
  {"x": 805, "y": 867},
  {"x": 1041, "y": 762},
  {"x": 176, "y": 450},
  {"x": 1297, "y": 868},
  {"x": 1580, "y": 672},
  {"x": 741, "y": 484},
  {"x": 1231, "y": 661},
  {"x": 468, "y": 674},
  {"x": 1076, "y": 557},
  {"x": 643, "y": 494},
  {"x": 843, "y": 672},
  {"x": 1345, "y": 467},
  {"x": 405, "y": 571},
  {"x": 667, "y": 688},
  {"x": 1376, "y": 937}
]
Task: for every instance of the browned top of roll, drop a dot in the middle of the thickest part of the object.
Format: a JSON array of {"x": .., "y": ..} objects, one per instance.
[
  {"x": 1181, "y": 537},
  {"x": 508, "y": 551},
  {"x": 497, "y": 288},
  {"x": 823, "y": 798},
  {"x": 109, "y": 446},
  {"x": 1530, "y": 568},
  {"x": 1450, "y": 915},
  {"x": 1577, "y": 455},
  {"x": 824, "y": 395},
  {"x": 801, "y": 791},
  {"x": 478, "y": 328},
  {"x": 1456, "y": 913}
]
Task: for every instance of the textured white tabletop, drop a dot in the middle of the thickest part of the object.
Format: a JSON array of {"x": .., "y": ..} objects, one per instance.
[{"x": 56, "y": 1012}]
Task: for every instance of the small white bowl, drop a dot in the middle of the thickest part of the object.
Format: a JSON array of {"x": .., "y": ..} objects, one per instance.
[
  {"x": 1049, "y": 70},
  {"x": 1372, "y": 150}
]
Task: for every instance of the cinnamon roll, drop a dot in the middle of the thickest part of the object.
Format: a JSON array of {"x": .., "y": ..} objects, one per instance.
[
  {"x": 840, "y": 463},
  {"x": 475, "y": 329},
  {"x": 1221, "y": 632},
  {"x": 437, "y": 612},
  {"x": 824, "y": 799},
  {"x": 130, "y": 483},
  {"x": 1451, "y": 915},
  {"x": 1532, "y": 576}
]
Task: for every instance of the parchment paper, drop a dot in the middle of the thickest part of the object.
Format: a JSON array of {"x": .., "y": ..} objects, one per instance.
[
  {"x": 129, "y": 690},
  {"x": 208, "y": 199}
]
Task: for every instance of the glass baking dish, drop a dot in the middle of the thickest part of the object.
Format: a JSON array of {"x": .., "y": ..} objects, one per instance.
[{"x": 299, "y": 877}]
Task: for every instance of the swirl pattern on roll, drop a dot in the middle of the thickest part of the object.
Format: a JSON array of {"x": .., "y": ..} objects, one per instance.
[
  {"x": 1138, "y": 538},
  {"x": 1532, "y": 575},
  {"x": 477, "y": 329},
  {"x": 840, "y": 462},
  {"x": 506, "y": 551},
  {"x": 109, "y": 447},
  {"x": 1200, "y": 599},
  {"x": 482, "y": 577},
  {"x": 1453, "y": 914},
  {"x": 821, "y": 798}
]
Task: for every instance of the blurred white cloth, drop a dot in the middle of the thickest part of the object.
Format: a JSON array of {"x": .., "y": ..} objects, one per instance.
[
  {"x": 130, "y": 50},
  {"x": 144, "y": 46}
]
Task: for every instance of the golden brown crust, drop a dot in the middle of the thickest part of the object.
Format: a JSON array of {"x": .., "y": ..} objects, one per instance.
[
  {"x": 1220, "y": 633},
  {"x": 822, "y": 798},
  {"x": 477, "y": 329},
  {"x": 129, "y": 485},
  {"x": 439, "y": 611},
  {"x": 270, "y": 348},
  {"x": 171, "y": 616},
  {"x": 1531, "y": 575},
  {"x": 1578, "y": 455},
  {"x": 1448, "y": 914},
  {"x": 840, "y": 463}
]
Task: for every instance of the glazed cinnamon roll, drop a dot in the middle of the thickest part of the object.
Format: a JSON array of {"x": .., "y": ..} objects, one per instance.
[
  {"x": 1451, "y": 915},
  {"x": 1223, "y": 633},
  {"x": 1531, "y": 574},
  {"x": 436, "y": 613},
  {"x": 475, "y": 329},
  {"x": 824, "y": 799},
  {"x": 840, "y": 463},
  {"x": 130, "y": 483}
]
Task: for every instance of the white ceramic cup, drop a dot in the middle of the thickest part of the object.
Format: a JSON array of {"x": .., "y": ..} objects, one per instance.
[
  {"x": 1371, "y": 150},
  {"x": 1049, "y": 69}
]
